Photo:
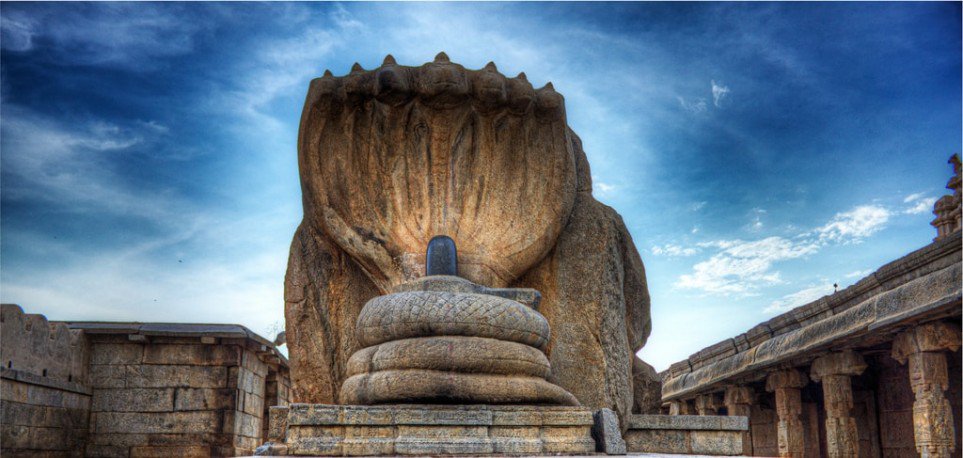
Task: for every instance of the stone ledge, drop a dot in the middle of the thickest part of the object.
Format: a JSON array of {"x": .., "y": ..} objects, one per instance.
[
  {"x": 689, "y": 422},
  {"x": 34, "y": 379}
]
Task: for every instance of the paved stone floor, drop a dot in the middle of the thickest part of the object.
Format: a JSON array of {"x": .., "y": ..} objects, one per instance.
[{"x": 597, "y": 455}]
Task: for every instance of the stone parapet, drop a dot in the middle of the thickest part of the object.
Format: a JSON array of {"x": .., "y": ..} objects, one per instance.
[{"x": 686, "y": 434}]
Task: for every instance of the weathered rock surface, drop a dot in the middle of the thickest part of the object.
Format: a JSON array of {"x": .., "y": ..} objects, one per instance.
[
  {"x": 392, "y": 157},
  {"x": 646, "y": 387}
]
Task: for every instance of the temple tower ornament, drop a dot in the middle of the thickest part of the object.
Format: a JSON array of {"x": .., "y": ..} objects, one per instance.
[{"x": 948, "y": 209}]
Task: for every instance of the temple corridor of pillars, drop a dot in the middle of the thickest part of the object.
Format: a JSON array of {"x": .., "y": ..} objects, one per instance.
[{"x": 901, "y": 399}]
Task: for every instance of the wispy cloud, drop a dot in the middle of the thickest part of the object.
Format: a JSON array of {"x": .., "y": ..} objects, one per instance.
[
  {"x": 855, "y": 225},
  {"x": 127, "y": 35},
  {"x": 918, "y": 203},
  {"x": 742, "y": 267},
  {"x": 603, "y": 189},
  {"x": 674, "y": 250},
  {"x": 802, "y": 297},
  {"x": 694, "y": 106},
  {"x": 66, "y": 163},
  {"x": 719, "y": 92}
]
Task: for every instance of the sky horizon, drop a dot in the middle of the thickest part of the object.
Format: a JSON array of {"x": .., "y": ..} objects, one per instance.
[{"x": 758, "y": 152}]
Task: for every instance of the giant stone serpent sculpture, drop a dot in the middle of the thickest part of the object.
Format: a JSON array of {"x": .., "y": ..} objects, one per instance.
[{"x": 391, "y": 158}]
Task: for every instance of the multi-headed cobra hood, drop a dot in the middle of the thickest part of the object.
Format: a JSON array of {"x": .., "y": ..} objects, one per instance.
[{"x": 392, "y": 157}]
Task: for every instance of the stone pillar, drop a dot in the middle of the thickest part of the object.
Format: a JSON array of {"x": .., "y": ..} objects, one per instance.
[
  {"x": 680, "y": 407},
  {"x": 924, "y": 347},
  {"x": 738, "y": 400},
  {"x": 791, "y": 433},
  {"x": 834, "y": 371},
  {"x": 708, "y": 404}
]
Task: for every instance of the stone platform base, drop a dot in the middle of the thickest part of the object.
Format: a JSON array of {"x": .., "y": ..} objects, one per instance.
[
  {"x": 686, "y": 434},
  {"x": 333, "y": 430}
]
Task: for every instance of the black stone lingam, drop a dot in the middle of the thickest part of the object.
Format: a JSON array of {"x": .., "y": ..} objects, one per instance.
[{"x": 442, "y": 257}]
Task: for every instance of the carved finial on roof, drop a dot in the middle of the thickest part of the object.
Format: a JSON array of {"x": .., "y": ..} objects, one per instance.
[{"x": 948, "y": 208}]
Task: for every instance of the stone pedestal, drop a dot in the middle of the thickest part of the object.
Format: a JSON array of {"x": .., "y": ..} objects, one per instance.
[
  {"x": 333, "y": 430},
  {"x": 738, "y": 400},
  {"x": 924, "y": 347},
  {"x": 834, "y": 371},
  {"x": 791, "y": 433},
  {"x": 686, "y": 434}
]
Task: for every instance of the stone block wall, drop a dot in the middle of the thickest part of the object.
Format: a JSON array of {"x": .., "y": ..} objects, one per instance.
[
  {"x": 174, "y": 396},
  {"x": 134, "y": 389},
  {"x": 43, "y": 400}
]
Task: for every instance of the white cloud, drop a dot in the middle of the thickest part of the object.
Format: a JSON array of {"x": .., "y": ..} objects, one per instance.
[
  {"x": 694, "y": 106},
  {"x": 697, "y": 206},
  {"x": 132, "y": 36},
  {"x": 16, "y": 32},
  {"x": 742, "y": 266},
  {"x": 673, "y": 250},
  {"x": 919, "y": 203},
  {"x": 855, "y": 225},
  {"x": 802, "y": 297},
  {"x": 756, "y": 224},
  {"x": 719, "y": 92},
  {"x": 604, "y": 188},
  {"x": 913, "y": 197}
]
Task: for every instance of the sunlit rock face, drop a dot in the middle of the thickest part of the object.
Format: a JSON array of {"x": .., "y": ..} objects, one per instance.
[{"x": 391, "y": 157}]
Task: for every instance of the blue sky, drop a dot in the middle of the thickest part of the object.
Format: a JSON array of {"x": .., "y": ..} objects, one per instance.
[{"x": 758, "y": 152}]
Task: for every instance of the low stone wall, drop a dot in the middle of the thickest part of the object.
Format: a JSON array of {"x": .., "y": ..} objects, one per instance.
[
  {"x": 42, "y": 417},
  {"x": 43, "y": 397},
  {"x": 685, "y": 434}
]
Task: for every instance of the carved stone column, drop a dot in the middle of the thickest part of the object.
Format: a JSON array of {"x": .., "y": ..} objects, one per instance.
[
  {"x": 738, "y": 402},
  {"x": 708, "y": 404},
  {"x": 834, "y": 371},
  {"x": 791, "y": 434},
  {"x": 679, "y": 407},
  {"x": 924, "y": 347}
]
